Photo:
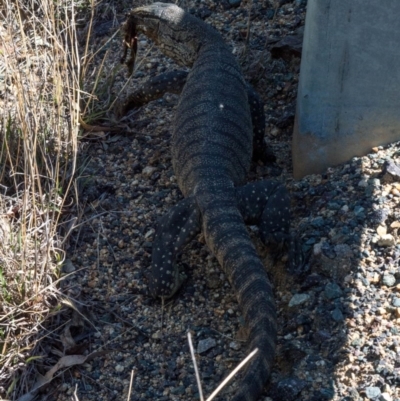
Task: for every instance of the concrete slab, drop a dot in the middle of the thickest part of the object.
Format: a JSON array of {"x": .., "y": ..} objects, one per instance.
[{"x": 349, "y": 89}]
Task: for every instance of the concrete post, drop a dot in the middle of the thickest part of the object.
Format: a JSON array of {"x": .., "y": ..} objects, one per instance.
[{"x": 349, "y": 89}]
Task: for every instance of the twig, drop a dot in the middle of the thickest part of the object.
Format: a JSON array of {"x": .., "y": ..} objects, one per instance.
[
  {"x": 229, "y": 377},
  {"x": 75, "y": 395},
  {"x": 130, "y": 384},
  {"x": 98, "y": 128},
  {"x": 196, "y": 370}
]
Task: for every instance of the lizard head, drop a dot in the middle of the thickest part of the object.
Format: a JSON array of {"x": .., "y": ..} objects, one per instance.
[
  {"x": 177, "y": 33},
  {"x": 152, "y": 20},
  {"x": 140, "y": 20}
]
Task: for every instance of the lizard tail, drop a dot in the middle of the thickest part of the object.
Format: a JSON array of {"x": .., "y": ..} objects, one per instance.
[{"x": 227, "y": 237}]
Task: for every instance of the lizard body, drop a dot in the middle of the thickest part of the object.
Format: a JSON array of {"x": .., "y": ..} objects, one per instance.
[{"x": 212, "y": 146}]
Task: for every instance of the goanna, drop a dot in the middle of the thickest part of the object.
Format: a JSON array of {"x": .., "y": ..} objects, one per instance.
[{"x": 212, "y": 145}]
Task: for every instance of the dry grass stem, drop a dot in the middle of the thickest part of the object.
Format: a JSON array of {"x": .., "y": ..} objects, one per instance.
[
  {"x": 75, "y": 395},
  {"x": 225, "y": 381},
  {"x": 196, "y": 369},
  {"x": 130, "y": 385},
  {"x": 229, "y": 377},
  {"x": 39, "y": 123}
]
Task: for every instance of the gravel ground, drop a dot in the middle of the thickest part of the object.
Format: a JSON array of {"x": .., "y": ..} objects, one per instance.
[{"x": 338, "y": 316}]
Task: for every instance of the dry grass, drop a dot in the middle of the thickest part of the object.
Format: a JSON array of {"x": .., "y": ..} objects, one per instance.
[
  {"x": 52, "y": 84},
  {"x": 39, "y": 114}
]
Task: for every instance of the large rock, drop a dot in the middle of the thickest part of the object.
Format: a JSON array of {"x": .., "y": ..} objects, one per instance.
[{"x": 348, "y": 98}]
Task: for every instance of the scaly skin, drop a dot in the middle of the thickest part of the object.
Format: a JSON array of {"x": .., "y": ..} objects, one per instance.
[{"x": 211, "y": 147}]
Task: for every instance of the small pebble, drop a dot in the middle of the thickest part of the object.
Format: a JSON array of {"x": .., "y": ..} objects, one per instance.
[
  {"x": 396, "y": 302},
  {"x": 372, "y": 393},
  {"x": 381, "y": 311},
  {"x": 375, "y": 182},
  {"x": 337, "y": 315},
  {"x": 389, "y": 280},
  {"x": 235, "y": 345},
  {"x": 68, "y": 266},
  {"x": 358, "y": 210},
  {"x": 157, "y": 335},
  {"x": 385, "y": 397},
  {"x": 332, "y": 291},
  {"x": 381, "y": 230},
  {"x": 386, "y": 240},
  {"x": 148, "y": 171},
  {"x": 149, "y": 233},
  {"x": 205, "y": 345},
  {"x": 393, "y": 169},
  {"x": 374, "y": 278},
  {"x": 298, "y": 299},
  {"x": 317, "y": 248},
  {"x": 119, "y": 368},
  {"x": 395, "y": 192}
]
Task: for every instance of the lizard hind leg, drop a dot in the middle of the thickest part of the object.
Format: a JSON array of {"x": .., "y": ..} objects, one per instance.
[
  {"x": 174, "y": 231},
  {"x": 275, "y": 220},
  {"x": 267, "y": 204}
]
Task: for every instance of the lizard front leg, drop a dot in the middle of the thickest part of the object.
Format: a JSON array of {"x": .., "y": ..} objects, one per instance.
[
  {"x": 174, "y": 230},
  {"x": 174, "y": 81},
  {"x": 260, "y": 149},
  {"x": 153, "y": 89}
]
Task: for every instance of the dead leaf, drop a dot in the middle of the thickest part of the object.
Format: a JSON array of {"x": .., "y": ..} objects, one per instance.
[
  {"x": 64, "y": 362},
  {"x": 66, "y": 338}
]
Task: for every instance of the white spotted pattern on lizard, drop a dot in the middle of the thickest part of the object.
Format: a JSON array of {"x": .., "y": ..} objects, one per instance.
[{"x": 212, "y": 146}]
